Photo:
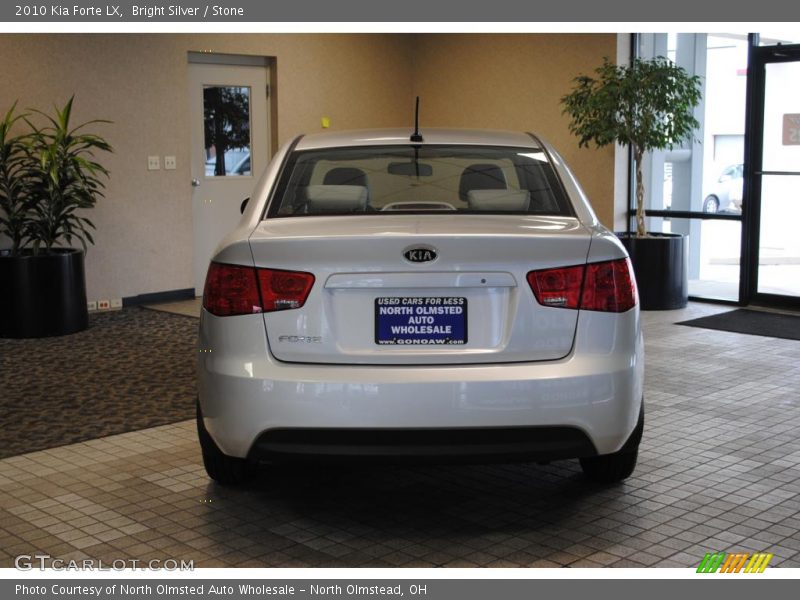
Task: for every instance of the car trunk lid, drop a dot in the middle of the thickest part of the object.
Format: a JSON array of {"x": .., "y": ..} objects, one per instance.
[{"x": 413, "y": 289}]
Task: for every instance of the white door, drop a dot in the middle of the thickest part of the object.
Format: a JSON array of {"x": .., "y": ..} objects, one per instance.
[{"x": 230, "y": 149}]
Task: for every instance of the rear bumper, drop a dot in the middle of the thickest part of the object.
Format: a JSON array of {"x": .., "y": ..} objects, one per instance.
[
  {"x": 496, "y": 444},
  {"x": 586, "y": 403}
]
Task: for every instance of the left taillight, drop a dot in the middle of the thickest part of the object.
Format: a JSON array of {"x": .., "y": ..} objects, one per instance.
[
  {"x": 557, "y": 287},
  {"x": 238, "y": 290},
  {"x": 607, "y": 286}
]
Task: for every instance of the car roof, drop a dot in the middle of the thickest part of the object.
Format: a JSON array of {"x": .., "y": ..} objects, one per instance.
[{"x": 430, "y": 136}]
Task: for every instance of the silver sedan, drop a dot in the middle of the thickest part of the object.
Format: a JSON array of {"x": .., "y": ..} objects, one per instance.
[{"x": 447, "y": 297}]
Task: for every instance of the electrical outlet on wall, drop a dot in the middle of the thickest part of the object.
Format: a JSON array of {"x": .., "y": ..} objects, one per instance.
[
  {"x": 116, "y": 303},
  {"x": 153, "y": 163},
  {"x": 170, "y": 163},
  {"x": 103, "y": 305},
  {"x": 91, "y": 305}
]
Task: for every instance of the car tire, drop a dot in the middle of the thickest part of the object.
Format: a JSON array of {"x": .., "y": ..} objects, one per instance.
[
  {"x": 609, "y": 468},
  {"x": 711, "y": 204},
  {"x": 224, "y": 469},
  {"x": 612, "y": 468}
]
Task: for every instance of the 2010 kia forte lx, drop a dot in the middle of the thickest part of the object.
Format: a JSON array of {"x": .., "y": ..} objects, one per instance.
[{"x": 446, "y": 297}]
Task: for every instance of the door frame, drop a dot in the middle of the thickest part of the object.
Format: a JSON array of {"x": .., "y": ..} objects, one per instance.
[
  {"x": 759, "y": 57},
  {"x": 269, "y": 142}
]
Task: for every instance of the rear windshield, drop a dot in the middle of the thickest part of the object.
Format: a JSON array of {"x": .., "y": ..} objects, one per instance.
[{"x": 392, "y": 179}]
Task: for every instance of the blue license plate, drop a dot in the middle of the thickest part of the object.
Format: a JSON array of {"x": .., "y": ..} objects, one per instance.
[{"x": 411, "y": 321}]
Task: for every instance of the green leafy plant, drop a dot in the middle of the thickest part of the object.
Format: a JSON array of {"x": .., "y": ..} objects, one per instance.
[
  {"x": 13, "y": 197},
  {"x": 646, "y": 105},
  {"x": 62, "y": 178}
]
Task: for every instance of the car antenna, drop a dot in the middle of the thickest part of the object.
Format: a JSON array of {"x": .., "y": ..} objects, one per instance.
[{"x": 416, "y": 136}]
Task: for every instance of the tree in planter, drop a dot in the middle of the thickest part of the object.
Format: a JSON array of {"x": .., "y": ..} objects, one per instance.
[
  {"x": 62, "y": 178},
  {"x": 646, "y": 105},
  {"x": 13, "y": 197}
]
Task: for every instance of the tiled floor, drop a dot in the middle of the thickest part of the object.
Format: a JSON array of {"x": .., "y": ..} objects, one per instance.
[{"x": 719, "y": 471}]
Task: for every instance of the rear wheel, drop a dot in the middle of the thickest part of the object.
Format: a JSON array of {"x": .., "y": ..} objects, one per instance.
[
  {"x": 611, "y": 468},
  {"x": 224, "y": 469},
  {"x": 711, "y": 204}
]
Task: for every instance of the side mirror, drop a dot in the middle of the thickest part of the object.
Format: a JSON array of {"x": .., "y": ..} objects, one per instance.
[{"x": 244, "y": 205}]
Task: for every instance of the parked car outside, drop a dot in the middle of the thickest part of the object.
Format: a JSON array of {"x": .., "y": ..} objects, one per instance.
[
  {"x": 243, "y": 166},
  {"x": 449, "y": 299},
  {"x": 726, "y": 195},
  {"x": 237, "y": 162}
]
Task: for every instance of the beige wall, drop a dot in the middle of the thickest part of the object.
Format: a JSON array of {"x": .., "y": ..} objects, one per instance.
[
  {"x": 515, "y": 82},
  {"x": 144, "y": 226}
]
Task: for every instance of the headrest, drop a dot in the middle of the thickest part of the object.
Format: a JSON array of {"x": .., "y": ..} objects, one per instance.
[
  {"x": 345, "y": 176},
  {"x": 336, "y": 198},
  {"x": 481, "y": 176},
  {"x": 499, "y": 200}
]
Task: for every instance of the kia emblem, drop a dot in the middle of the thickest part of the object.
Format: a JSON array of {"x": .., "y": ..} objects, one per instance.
[{"x": 420, "y": 254}]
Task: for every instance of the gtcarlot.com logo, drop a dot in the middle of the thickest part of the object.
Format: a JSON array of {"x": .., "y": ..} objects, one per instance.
[
  {"x": 26, "y": 562},
  {"x": 738, "y": 562}
]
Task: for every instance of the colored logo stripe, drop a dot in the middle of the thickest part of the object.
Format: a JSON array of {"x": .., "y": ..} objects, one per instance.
[
  {"x": 711, "y": 562},
  {"x": 758, "y": 563},
  {"x": 734, "y": 563}
]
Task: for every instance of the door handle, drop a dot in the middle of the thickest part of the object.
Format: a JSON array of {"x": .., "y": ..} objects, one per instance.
[{"x": 195, "y": 183}]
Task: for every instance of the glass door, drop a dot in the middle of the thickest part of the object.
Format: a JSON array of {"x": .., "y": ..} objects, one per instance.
[{"x": 775, "y": 181}]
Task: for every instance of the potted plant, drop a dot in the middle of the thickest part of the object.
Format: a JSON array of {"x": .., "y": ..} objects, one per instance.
[
  {"x": 646, "y": 105},
  {"x": 12, "y": 194},
  {"x": 47, "y": 177}
]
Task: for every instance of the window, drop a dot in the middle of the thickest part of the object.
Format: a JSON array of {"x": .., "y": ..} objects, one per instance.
[
  {"x": 772, "y": 38},
  {"x": 390, "y": 179},
  {"x": 226, "y": 113},
  {"x": 703, "y": 179},
  {"x": 714, "y": 255}
]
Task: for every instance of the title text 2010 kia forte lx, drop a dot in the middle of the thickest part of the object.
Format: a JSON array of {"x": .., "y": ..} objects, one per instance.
[{"x": 447, "y": 297}]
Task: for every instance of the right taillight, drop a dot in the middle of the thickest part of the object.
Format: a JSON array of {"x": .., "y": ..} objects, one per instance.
[
  {"x": 607, "y": 286},
  {"x": 238, "y": 290}
]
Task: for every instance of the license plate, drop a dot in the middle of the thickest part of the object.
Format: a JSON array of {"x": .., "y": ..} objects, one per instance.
[{"x": 407, "y": 321}]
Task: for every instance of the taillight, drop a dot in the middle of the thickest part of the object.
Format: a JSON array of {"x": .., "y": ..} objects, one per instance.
[
  {"x": 281, "y": 290},
  {"x": 231, "y": 290},
  {"x": 605, "y": 286},
  {"x": 237, "y": 290},
  {"x": 609, "y": 286},
  {"x": 557, "y": 287}
]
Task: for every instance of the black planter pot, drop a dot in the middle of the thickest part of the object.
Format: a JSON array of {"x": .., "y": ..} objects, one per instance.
[
  {"x": 660, "y": 263},
  {"x": 42, "y": 296}
]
